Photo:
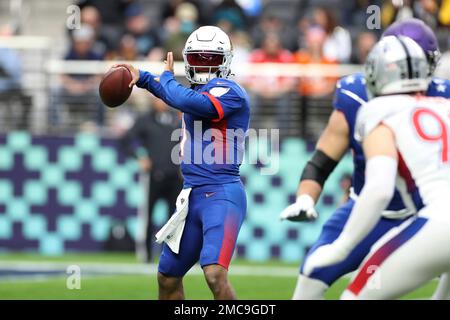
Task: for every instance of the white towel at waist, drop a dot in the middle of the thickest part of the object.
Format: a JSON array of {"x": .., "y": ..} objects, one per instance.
[{"x": 172, "y": 231}]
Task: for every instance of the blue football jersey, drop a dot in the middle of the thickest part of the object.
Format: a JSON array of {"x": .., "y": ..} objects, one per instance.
[
  {"x": 216, "y": 118},
  {"x": 350, "y": 94},
  {"x": 220, "y": 140}
]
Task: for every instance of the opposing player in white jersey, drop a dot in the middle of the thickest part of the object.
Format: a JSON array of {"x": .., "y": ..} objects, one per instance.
[{"x": 406, "y": 139}]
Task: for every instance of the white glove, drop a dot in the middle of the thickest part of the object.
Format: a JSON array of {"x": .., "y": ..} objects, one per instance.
[
  {"x": 325, "y": 256},
  {"x": 301, "y": 210}
]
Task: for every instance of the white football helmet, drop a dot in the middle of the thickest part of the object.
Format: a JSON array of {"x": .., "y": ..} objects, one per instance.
[
  {"x": 207, "y": 55},
  {"x": 396, "y": 64}
]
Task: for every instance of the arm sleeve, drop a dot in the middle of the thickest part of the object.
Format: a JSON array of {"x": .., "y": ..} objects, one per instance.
[
  {"x": 185, "y": 99},
  {"x": 147, "y": 81},
  {"x": 381, "y": 172},
  {"x": 225, "y": 99}
]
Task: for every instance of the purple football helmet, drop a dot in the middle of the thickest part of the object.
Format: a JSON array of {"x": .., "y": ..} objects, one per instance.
[{"x": 422, "y": 34}]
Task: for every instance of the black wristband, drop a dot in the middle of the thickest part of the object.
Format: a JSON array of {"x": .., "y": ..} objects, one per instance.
[{"x": 318, "y": 168}]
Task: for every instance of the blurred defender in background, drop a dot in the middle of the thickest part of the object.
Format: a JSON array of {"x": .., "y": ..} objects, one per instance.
[
  {"x": 152, "y": 131},
  {"x": 336, "y": 139},
  {"x": 395, "y": 137}
]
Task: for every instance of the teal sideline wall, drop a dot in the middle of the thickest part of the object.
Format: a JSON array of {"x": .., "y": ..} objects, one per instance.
[{"x": 63, "y": 194}]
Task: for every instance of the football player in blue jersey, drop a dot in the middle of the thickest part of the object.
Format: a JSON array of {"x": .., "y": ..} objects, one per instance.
[
  {"x": 334, "y": 142},
  {"x": 215, "y": 120}
]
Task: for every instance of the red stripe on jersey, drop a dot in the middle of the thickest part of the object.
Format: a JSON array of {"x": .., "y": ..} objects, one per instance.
[
  {"x": 376, "y": 259},
  {"x": 217, "y": 105},
  {"x": 369, "y": 269},
  {"x": 404, "y": 172},
  {"x": 219, "y": 135}
]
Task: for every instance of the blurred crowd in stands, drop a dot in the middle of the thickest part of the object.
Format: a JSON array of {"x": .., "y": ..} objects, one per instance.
[
  {"x": 331, "y": 33},
  {"x": 328, "y": 32}
]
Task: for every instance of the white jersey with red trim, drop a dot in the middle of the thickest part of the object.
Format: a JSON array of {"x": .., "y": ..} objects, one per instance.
[{"x": 421, "y": 126}]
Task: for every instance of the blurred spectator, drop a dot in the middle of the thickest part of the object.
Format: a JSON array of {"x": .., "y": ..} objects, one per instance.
[
  {"x": 272, "y": 51},
  {"x": 354, "y": 13},
  {"x": 269, "y": 90},
  {"x": 443, "y": 68},
  {"x": 396, "y": 10},
  {"x": 139, "y": 26},
  {"x": 152, "y": 131},
  {"x": 364, "y": 43},
  {"x": 338, "y": 43},
  {"x": 178, "y": 29},
  {"x": 187, "y": 14},
  {"x": 111, "y": 11},
  {"x": 10, "y": 66},
  {"x": 91, "y": 17},
  {"x": 303, "y": 25},
  {"x": 128, "y": 49},
  {"x": 252, "y": 8},
  {"x": 231, "y": 11},
  {"x": 79, "y": 91},
  {"x": 444, "y": 13},
  {"x": 112, "y": 15},
  {"x": 174, "y": 39},
  {"x": 203, "y": 7},
  {"x": 157, "y": 55},
  {"x": 315, "y": 85},
  {"x": 123, "y": 31},
  {"x": 226, "y": 26},
  {"x": 15, "y": 104},
  {"x": 241, "y": 49},
  {"x": 270, "y": 23},
  {"x": 427, "y": 10}
]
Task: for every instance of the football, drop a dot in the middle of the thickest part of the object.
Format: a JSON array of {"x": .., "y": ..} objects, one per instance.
[{"x": 114, "y": 89}]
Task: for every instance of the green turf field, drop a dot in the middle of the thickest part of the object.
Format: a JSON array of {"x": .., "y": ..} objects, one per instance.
[{"x": 271, "y": 280}]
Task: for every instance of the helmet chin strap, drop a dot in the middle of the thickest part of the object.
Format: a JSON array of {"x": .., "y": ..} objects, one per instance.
[{"x": 204, "y": 77}]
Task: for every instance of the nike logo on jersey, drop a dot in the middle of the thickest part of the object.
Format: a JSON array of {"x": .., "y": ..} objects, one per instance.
[{"x": 209, "y": 194}]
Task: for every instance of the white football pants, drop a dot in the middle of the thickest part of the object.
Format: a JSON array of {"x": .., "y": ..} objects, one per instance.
[{"x": 403, "y": 260}]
